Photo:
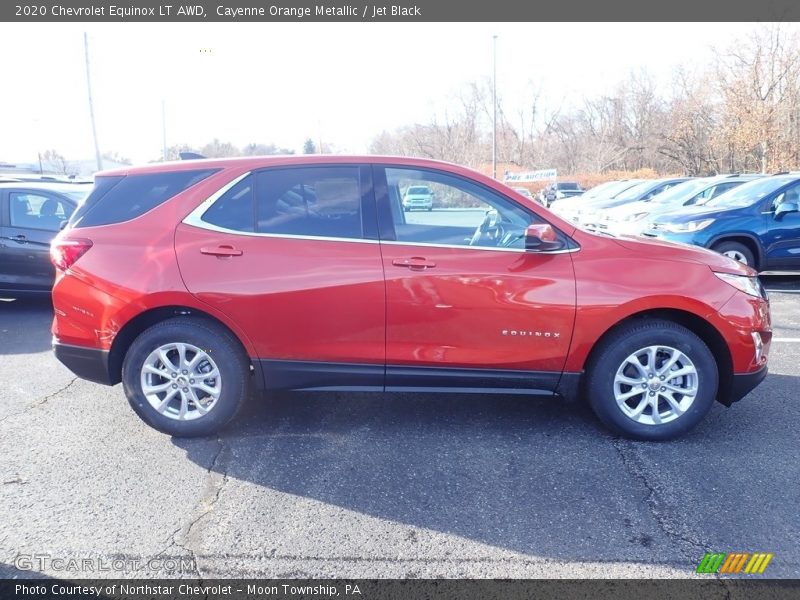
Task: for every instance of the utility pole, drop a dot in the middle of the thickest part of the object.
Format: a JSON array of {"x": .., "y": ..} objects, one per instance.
[
  {"x": 91, "y": 104},
  {"x": 494, "y": 106}
]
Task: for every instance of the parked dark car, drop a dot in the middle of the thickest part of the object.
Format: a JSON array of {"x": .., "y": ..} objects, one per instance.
[
  {"x": 562, "y": 189},
  {"x": 757, "y": 223},
  {"x": 31, "y": 214}
]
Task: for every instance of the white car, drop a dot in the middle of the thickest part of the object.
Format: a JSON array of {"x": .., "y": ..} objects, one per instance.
[
  {"x": 418, "y": 197},
  {"x": 634, "y": 218},
  {"x": 570, "y": 208}
]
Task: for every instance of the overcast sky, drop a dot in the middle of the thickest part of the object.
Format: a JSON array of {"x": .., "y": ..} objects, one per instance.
[{"x": 283, "y": 82}]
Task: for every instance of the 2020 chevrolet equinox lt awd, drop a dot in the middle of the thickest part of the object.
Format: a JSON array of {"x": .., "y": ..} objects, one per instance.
[{"x": 194, "y": 282}]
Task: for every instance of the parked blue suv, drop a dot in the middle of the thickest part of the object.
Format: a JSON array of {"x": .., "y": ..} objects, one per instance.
[{"x": 757, "y": 223}]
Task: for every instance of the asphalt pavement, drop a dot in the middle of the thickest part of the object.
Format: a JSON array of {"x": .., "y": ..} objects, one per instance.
[{"x": 386, "y": 485}]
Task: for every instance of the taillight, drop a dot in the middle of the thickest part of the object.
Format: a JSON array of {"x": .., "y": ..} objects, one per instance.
[{"x": 64, "y": 253}]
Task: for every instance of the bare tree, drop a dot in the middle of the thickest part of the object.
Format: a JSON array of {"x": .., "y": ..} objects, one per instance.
[{"x": 54, "y": 161}]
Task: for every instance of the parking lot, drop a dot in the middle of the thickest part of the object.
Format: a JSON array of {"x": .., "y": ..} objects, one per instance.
[{"x": 371, "y": 485}]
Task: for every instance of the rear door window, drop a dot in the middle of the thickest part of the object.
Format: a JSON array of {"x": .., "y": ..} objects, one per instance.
[
  {"x": 310, "y": 201},
  {"x": 234, "y": 210}
]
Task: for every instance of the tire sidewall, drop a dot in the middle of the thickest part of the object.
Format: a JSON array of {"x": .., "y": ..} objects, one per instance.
[
  {"x": 741, "y": 248},
  {"x": 219, "y": 347},
  {"x": 601, "y": 382}
]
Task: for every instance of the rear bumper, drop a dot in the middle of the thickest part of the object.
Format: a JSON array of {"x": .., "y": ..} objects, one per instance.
[
  {"x": 86, "y": 363},
  {"x": 744, "y": 383}
]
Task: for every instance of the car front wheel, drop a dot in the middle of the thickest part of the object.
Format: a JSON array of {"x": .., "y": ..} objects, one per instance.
[
  {"x": 652, "y": 380},
  {"x": 186, "y": 376},
  {"x": 738, "y": 252}
]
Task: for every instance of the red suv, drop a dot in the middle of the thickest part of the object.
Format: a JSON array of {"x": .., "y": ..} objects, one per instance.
[{"x": 193, "y": 282}]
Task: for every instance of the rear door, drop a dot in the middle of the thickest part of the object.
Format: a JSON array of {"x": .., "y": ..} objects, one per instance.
[
  {"x": 33, "y": 218},
  {"x": 292, "y": 256},
  {"x": 467, "y": 305}
]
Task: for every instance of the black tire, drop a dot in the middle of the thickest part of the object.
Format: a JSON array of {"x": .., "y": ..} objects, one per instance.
[
  {"x": 740, "y": 249},
  {"x": 430, "y": 209},
  {"x": 612, "y": 352},
  {"x": 219, "y": 344}
]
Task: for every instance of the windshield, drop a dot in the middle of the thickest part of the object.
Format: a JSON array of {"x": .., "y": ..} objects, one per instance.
[
  {"x": 683, "y": 191},
  {"x": 568, "y": 185},
  {"x": 750, "y": 192},
  {"x": 603, "y": 188},
  {"x": 418, "y": 190},
  {"x": 636, "y": 191}
]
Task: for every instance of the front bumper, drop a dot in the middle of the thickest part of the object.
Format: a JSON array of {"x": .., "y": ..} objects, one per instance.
[
  {"x": 743, "y": 384},
  {"x": 86, "y": 363}
]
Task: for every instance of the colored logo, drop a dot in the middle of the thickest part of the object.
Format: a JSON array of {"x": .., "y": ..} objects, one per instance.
[{"x": 734, "y": 563}]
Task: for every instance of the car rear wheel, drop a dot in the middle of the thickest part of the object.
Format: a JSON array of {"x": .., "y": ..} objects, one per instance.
[
  {"x": 186, "y": 376},
  {"x": 738, "y": 252},
  {"x": 652, "y": 380}
]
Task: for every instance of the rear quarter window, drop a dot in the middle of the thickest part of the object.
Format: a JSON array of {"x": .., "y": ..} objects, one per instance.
[{"x": 122, "y": 198}]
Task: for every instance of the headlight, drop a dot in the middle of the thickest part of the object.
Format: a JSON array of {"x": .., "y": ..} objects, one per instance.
[
  {"x": 688, "y": 226},
  {"x": 636, "y": 217},
  {"x": 749, "y": 285}
]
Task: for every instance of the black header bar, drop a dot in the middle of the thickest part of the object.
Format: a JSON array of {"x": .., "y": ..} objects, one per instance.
[{"x": 265, "y": 11}]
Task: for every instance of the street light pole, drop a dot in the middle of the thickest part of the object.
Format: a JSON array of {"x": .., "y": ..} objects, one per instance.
[
  {"x": 98, "y": 156},
  {"x": 494, "y": 106}
]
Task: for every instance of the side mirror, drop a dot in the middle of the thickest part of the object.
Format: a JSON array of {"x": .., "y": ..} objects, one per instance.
[
  {"x": 541, "y": 237},
  {"x": 786, "y": 207}
]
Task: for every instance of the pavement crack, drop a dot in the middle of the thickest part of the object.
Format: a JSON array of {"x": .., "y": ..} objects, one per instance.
[
  {"x": 15, "y": 479},
  {"x": 42, "y": 400},
  {"x": 689, "y": 546},
  {"x": 54, "y": 394},
  {"x": 181, "y": 537}
]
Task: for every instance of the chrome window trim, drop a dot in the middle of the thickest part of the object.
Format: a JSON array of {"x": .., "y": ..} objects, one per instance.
[
  {"x": 194, "y": 219},
  {"x": 458, "y": 247}
]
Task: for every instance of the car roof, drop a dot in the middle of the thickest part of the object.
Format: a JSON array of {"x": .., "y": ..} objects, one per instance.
[
  {"x": 49, "y": 186},
  {"x": 257, "y": 162},
  {"x": 735, "y": 177}
]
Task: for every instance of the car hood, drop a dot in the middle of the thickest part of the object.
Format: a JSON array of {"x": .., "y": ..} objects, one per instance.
[
  {"x": 605, "y": 203},
  {"x": 629, "y": 209},
  {"x": 689, "y": 213},
  {"x": 683, "y": 253}
]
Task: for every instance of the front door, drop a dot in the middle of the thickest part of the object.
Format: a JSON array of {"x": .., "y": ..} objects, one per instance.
[
  {"x": 467, "y": 305},
  {"x": 33, "y": 220},
  {"x": 782, "y": 237},
  {"x": 291, "y": 255}
]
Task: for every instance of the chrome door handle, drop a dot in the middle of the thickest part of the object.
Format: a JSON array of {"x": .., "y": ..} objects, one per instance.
[
  {"x": 415, "y": 263},
  {"x": 221, "y": 251}
]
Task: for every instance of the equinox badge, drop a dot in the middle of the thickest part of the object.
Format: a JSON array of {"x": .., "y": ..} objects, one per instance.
[{"x": 529, "y": 333}]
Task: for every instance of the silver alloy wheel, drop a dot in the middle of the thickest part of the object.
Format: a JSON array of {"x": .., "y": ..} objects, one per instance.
[
  {"x": 181, "y": 381},
  {"x": 736, "y": 255},
  {"x": 656, "y": 385}
]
